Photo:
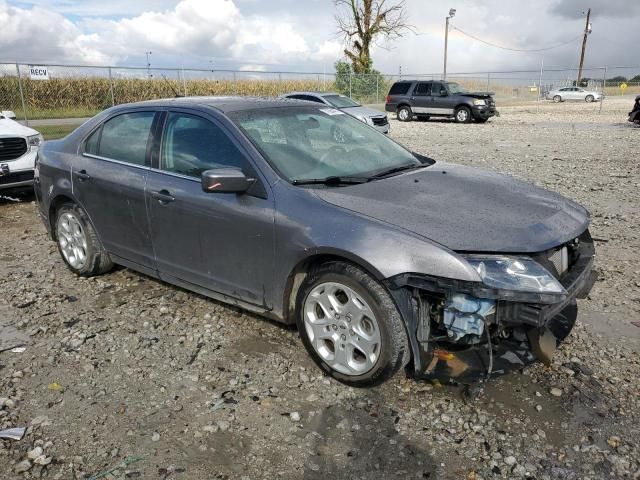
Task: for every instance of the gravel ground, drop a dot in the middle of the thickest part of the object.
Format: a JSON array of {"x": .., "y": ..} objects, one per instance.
[{"x": 126, "y": 377}]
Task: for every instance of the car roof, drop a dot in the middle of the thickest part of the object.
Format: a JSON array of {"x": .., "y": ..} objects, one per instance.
[
  {"x": 224, "y": 104},
  {"x": 319, "y": 94}
]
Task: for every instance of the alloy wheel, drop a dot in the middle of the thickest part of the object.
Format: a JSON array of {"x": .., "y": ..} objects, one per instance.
[
  {"x": 462, "y": 116},
  {"x": 72, "y": 240},
  {"x": 342, "y": 328}
]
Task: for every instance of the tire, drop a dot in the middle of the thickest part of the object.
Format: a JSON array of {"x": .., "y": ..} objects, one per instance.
[
  {"x": 462, "y": 115},
  {"x": 341, "y": 287},
  {"x": 405, "y": 114},
  {"x": 557, "y": 99},
  {"x": 589, "y": 98},
  {"x": 78, "y": 243}
]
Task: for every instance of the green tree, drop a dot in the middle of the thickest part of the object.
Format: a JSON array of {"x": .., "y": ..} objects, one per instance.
[
  {"x": 364, "y": 87},
  {"x": 635, "y": 79},
  {"x": 618, "y": 79}
]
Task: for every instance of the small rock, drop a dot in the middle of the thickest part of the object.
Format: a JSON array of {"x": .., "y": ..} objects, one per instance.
[
  {"x": 510, "y": 460},
  {"x": 294, "y": 416},
  {"x": 35, "y": 453},
  {"x": 556, "y": 392},
  {"x": 23, "y": 466},
  {"x": 539, "y": 408},
  {"x": 155, "y": 437}
]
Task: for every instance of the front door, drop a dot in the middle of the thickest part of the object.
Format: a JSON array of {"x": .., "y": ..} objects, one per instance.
[
  {"x": 109, "y": 179},
  {"x": 441, "y": 104},
  {"x": 223, "y": 242}
]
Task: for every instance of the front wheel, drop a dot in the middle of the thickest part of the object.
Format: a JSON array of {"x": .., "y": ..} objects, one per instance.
[
  {"x": 589, "y": 98},
  {"x": 350, "y": 325},
  {"x": 78, "y": 242},
  {"x": 405, "y": 114},
  {"x": 557, "y": 99},
  {"x": 463, "y": 115}
]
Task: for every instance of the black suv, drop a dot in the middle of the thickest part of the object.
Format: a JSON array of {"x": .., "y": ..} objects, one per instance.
[{"x": 425, "y": 99}]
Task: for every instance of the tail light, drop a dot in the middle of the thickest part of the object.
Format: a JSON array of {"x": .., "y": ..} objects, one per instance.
[{"x": 388, "y": 98}]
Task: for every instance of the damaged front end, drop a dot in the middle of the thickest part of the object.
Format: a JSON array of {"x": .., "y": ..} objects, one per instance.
[{"x": 523, "y": 308}]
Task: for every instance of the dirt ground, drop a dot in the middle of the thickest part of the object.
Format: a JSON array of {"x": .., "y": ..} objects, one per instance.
[{"x": 126, "y": 377}]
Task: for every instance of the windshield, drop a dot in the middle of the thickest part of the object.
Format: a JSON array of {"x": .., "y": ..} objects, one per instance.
[
  {"x": 456, "y": 88},
  {"x": 304, "y": 143},
  {"x": 340, "y": 101}
]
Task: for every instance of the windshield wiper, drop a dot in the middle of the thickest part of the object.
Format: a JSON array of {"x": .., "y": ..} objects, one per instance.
[
  {"x": 401, "y": 168},
  {"x": 334, "y": 180}
]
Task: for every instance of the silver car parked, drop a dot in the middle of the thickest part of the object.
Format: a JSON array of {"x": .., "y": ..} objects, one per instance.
[
  {"x": 374, "y": 118},
  {"x": 574, "y": 93}
]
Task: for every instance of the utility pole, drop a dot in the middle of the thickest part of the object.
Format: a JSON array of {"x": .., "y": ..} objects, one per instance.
[
  {"x": 587, "y": 31},
  {"x": 148, "y": 64},
  {"x": 452, "y": 12}
]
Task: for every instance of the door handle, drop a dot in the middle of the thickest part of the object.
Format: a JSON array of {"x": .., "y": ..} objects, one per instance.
[
  {"x": 83, "y": 176},
  {"x": 163, "y": 196}
]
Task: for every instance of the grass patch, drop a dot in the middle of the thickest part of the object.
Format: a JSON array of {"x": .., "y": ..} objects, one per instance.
[
  {"x": 67, "y": 112},
  {"x": 53, "y": 132}
]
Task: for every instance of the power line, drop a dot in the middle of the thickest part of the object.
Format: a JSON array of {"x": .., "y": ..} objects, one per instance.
[{"x": 516, "y": 49}]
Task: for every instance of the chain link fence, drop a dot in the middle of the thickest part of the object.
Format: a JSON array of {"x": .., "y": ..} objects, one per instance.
[{"x": 69, "y": 94}]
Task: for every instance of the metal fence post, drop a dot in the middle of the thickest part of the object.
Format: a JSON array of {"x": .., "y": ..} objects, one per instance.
[
  {"x": 349, "y": 84},
  {"x": 113, "y": 98},
  {"x": 604, "y": 85},
  {"x": 24, "y": 108},
  {"x": 488, "y": 80},
  {"x": 235, "y": 86},
  {"x": 377, "y": 88}
]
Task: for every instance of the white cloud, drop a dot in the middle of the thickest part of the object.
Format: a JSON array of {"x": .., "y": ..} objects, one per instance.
[{"x": 192, "y": 30}]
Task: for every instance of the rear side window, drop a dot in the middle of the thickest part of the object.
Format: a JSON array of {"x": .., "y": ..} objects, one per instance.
[
  {"x": 91, "y": 145},
  {"x": 399, "y": 88},
  {"x": 192, "y": 144},
  {"x": 422, "y": 89},
  {"x": 125, "y": 137}
]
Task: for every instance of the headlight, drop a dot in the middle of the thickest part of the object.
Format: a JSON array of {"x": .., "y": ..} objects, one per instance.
[
  {"x": 478, "y": 102},
  {"x": 515, "y": 273},
  {"x": 35, "y": 140}
]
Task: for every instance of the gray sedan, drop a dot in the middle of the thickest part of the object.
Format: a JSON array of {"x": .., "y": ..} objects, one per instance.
[
  {"x": 381, "y": 257},
  {"x": 374, "y": 118},
  {"x": 574, "y": 93}
]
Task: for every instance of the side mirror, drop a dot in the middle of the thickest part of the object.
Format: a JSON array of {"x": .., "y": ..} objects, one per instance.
[
  {"x": 444, "y": 93},
  {"x": 225, "y": 180}
]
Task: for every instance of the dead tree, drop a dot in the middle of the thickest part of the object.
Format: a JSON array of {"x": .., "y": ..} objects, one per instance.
[{"x": 362, "y": 22}]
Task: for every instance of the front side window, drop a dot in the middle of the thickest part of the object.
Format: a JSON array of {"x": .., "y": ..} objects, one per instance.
[
  {"x": 316, "y": 143},
  {"x": 192, "y": 144},
  {"x": 125, "y": 137}
]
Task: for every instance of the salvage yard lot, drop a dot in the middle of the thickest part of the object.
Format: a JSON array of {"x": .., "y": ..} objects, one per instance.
[{"x": 125, "y": 371}]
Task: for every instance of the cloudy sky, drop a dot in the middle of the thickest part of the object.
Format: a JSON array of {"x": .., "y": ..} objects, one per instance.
[{"x": 301, "y": 35}]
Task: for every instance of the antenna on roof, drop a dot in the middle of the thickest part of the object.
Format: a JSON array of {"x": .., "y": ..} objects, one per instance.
[{"x": 175, "y": 92}]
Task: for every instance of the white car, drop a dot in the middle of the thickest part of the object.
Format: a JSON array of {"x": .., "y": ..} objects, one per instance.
[
  {"x": 18, "y": 149},
  {"x": 574, "y": 93}
]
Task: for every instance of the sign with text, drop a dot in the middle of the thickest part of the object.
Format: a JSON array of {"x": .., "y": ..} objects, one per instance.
[{"x": 37, "y": 72}]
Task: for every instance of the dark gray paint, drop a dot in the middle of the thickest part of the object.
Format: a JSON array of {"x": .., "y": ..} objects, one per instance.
[{"x": 245, "y": 248}]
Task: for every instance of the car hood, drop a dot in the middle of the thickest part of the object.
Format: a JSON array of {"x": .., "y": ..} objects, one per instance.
[
  {"x": 11, "y": 128},
  {"x": 477, "y": 94},
  {"x": 363, "y": 111},
  {"x": 466, "y": 209}
]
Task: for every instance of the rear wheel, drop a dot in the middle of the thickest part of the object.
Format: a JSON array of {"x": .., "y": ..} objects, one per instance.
[
  {"x": 589, "y": 98},
  {"x": 350, "y": 325},
  {"x": 405, "y": 114},
  {"x": 462, "y": 115},
  {"x": 78, "y": 243},
  {"x": 557, "y": 98}
]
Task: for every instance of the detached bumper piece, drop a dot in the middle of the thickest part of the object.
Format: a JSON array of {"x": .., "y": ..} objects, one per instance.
[{"x": 462, "y": 334}]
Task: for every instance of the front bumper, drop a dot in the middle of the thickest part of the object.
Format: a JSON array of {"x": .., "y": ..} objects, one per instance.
[
  {"x": 19, "y": 172},
  {"x": 515, "y": 319},
  {"x": 483, "y": 112}
]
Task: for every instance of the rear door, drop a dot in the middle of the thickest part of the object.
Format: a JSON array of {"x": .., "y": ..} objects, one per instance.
[
  {"x": 223, "y": 242},
  {"x": 109, "y": 180},
  {"x": 420, "y": 98}
]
